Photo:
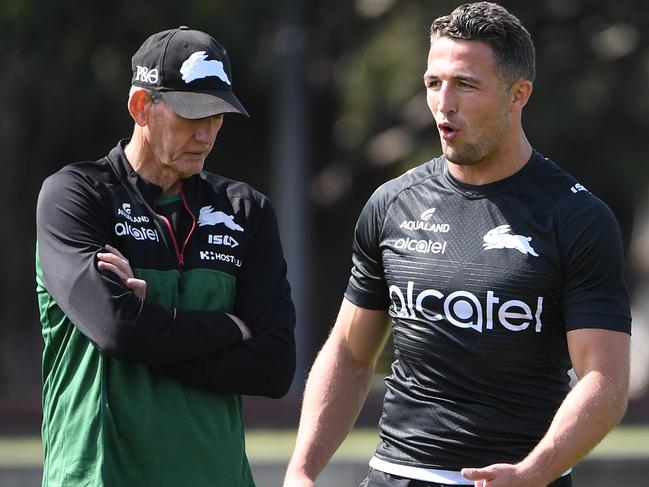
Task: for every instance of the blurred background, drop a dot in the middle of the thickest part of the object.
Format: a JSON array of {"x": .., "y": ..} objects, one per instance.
[{"x": 338, "y": 106}]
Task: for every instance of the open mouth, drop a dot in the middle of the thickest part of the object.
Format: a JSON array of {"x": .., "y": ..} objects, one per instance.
[{"x": 447, "y": 130}]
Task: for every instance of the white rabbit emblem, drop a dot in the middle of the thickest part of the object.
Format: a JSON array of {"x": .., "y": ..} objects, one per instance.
[
  {"x": 500, "y": 238},
  {"x": 208, "y": 216}
]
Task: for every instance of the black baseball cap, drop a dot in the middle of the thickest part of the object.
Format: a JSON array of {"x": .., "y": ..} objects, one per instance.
[{"x": 190, "y": 70}]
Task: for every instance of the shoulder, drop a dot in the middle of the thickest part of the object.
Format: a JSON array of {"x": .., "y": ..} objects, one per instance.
[
  {"x": 385, "y": 194},
  {"x": 79, "y": 177},
  {"x": 582, "y": 220},
  {"x": 564, "y": 192},
  {"x": 572, "y": 200},
  {"x": 75, "y": 195},
  {"x": 251, "y": 207},
  {"x": 234, "y": 190},
  {"x": 548, "y": 179}
]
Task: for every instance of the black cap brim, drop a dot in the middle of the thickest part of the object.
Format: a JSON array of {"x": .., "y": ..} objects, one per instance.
[{"x": 193, "y": 105}]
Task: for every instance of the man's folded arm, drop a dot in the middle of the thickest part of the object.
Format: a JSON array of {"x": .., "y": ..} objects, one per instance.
[
  {"x": 71, "y": 229},
  {"x": 263, "y": 365}
]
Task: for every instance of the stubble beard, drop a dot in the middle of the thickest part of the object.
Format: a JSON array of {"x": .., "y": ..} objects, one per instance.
[
  {"x": 474, "y": 152},
  {"x": 468, "y": 155}
]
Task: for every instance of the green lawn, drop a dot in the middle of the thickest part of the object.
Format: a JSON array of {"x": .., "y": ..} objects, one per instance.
[
  {"x": 266, "y": 445},
  {"x": 276, "y": 446}
]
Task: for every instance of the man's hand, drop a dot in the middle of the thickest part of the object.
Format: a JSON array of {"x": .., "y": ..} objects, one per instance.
[
  {"x": 114, "y": 261},
  {"x": 500, "y": 475}
]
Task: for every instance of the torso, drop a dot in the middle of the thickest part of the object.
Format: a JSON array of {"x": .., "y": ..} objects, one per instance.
[{"x": 473, "y": 280}]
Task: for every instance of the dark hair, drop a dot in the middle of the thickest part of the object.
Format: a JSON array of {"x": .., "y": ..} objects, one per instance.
[{"x": 488, "y": 22}]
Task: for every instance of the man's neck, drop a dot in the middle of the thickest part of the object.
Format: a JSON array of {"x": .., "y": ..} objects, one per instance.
[
  {"x": 141, "y": 158},
  {"x": 495, "y": 167}
]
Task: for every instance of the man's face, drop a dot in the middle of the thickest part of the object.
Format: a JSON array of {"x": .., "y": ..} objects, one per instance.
[
  {"x": 180, "y": 144},
  {"x": 468, "y": 99}
]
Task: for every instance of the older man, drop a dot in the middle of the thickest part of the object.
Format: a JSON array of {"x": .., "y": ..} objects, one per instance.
[{"x": 162, "y": 290}]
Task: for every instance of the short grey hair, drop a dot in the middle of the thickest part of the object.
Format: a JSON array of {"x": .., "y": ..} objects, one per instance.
[{"x": 156, "y": 96}]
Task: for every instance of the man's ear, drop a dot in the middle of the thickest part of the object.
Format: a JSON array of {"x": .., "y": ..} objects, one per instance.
[
  {"x": 520, "y": 91},
  {"x": 138, "y": 106}
]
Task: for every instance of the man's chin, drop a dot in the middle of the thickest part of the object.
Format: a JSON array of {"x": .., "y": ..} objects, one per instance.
[
  {"x": 453, "y": 155},
  {"x": 191, "y": 168},
  {"x": 459, "y": 158}
]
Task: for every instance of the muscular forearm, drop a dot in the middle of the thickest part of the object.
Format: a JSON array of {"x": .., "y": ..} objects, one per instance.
[
  {"x": 336, "y": 389},
  {"x": 335, "y": 392},
  {"x": 601, "y": 358},
  {"x": 588, "y": 413}
]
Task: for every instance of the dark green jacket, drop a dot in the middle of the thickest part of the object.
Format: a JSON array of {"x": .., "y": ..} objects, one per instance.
[{"x": 147, "y": 392}]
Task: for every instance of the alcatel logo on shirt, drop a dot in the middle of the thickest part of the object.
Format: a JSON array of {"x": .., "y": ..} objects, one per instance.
[
  {"x": 421, "y": 246},
  {"x": 138, "y": 233},
  {"x": 465, "y": 310}
]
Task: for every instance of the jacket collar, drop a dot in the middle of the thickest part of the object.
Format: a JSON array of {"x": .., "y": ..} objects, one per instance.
[{"x": 149, "y": 191}]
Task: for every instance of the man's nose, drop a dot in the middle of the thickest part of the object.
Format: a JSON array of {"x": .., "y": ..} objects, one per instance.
[
  {"x": 207, "y": 128},
  {"x": 446, "y": 99}
]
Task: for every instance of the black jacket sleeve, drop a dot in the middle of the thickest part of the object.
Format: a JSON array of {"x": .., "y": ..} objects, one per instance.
[
  {"x": 263, "y": 365},
  {"x": 72, "y": 227}
]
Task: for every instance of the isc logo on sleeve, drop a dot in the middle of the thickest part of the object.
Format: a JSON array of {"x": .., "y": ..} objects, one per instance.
[{"x": 225, "y": 240}]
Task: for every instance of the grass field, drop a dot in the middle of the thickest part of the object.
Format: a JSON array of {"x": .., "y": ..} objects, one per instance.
[{"x": 276, "y": 446}]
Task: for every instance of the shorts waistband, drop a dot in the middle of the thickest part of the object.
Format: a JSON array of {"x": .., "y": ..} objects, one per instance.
[
  {"x": 418, "y": 473},
  {"x": 450, "y": 477}
]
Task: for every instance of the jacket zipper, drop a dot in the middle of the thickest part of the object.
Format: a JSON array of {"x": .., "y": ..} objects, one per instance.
[
  {"x": 180, "y": 252},
  {"x": 191, "y": 230}
]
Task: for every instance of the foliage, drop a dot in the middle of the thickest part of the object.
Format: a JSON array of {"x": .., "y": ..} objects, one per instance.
[{"x": 66, "y": 72}]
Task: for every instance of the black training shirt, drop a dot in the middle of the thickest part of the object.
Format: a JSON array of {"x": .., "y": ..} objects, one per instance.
[{"x": 482, "y": 283}]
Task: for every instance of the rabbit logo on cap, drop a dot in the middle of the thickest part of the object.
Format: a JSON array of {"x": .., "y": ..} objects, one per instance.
[{"x": 197, "y": 66}]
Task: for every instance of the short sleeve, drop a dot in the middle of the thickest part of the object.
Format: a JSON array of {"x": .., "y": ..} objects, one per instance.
[
  {"x": 594, "y": 292},
  {"x": 367, "y": 287}
]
